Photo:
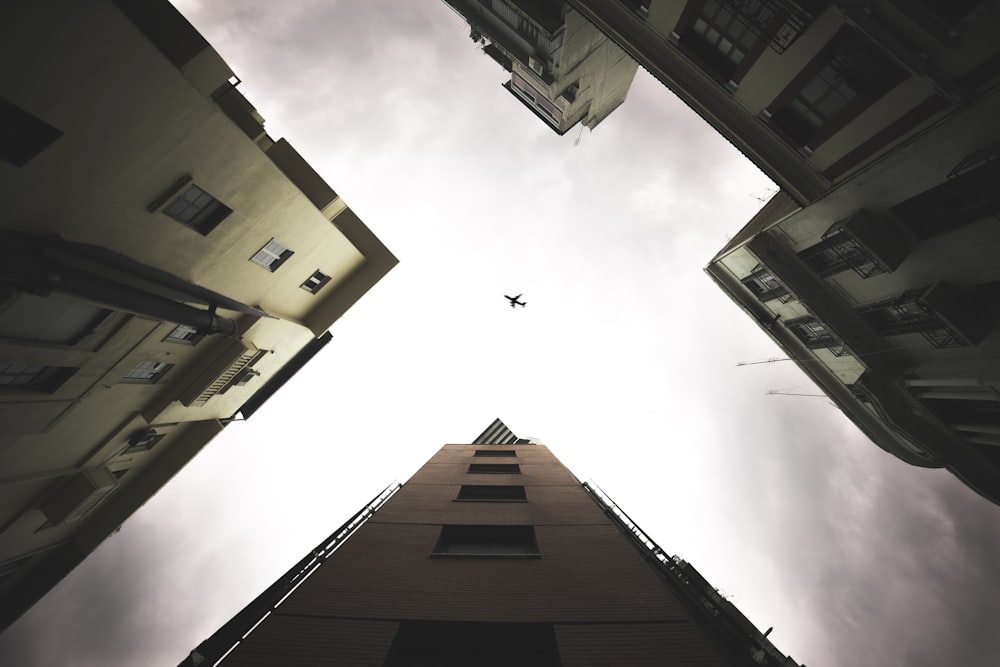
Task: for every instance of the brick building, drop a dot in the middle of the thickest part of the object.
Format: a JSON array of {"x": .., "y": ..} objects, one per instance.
[{"x": 493, "y": 553}]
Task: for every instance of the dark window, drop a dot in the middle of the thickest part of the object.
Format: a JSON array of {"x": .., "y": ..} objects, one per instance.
[
  {"x": 844, "y": 79},
  {"x": 495, "y": 468},
  {"x": 764, "y": 285},
  {"x": 315, "y": 282},
  {"x": 272, "y": 255},
  {"x": 147, "y": 372},
  {"x": 143, "y": 440},
  {"x": 458, "y": 644},
  {"x": 495, "y": 452},
  {"x": 491, "y": 493},
  {"x": 723, "y": 43},
  {"x": 184, "y": 335},
  {"x": 18, "y": 376},
  {"x": 52, "y": 319},
  {"x": 197, "y": 209},
  {"x": 968, "y": 197},
  {"x": 487, "y": 541},
  {"x": 22, "y": 135},
  {"x": 812, "y": 332}
]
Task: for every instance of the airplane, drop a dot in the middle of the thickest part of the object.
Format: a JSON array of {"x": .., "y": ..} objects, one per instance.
[{"x": 514, "y": 300}]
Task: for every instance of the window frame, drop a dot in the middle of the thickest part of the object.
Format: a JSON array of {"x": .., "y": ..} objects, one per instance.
[
  {"x": 479, "y": 493},
  {"x": 146, "y": 374},
  {"x": 193, "y": 339},
  {"x": 277, "y": 258},
  {"x": 494, "y": 469},
  {"x": 209, "y": 214},
  {"x": 847, "y": 42},
  {"x": 44, "y": 380},
  {"x": 509, "y": 541},
  {"x": 320, "y": 278},
  {"x": 706, "y": 54}
]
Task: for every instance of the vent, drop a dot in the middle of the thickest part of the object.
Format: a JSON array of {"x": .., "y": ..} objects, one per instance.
[{"x": 79, "y": 496}]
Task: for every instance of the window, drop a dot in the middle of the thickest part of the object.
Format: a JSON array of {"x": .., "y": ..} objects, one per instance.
[
  {"x": 143, "y": 440},
  {"x": 197, "y": 209},
  {"x": 19, "y": 376},
  {"x": 495, "y": 468},
  {"x": 812, "y": 332},
  {"x": 52, "y": 319},
  {"x": 487, "y": 541},
  {"x": 722, "y": 41},
  {"x": 22, "y": 135},
  {"x": 184, "y": 335},
  {"x": 315, "y": 282},
  {"x": 147, "y": 372},
  {"x": 765, "y": 286},
  {"x": 495, "y": 452},
  {"x": 844, "y": 79},
  {"x": 462, "y": 643},
  {"x": 479, "y": 492},
  {"x": 272, "y": 255}
]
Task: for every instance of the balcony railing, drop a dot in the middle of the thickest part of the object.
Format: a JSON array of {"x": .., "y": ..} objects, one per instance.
[
  {"x": 849, "y": 250},
  {"x": 765, "y": 286},
  {"x": 214, "y": 649},
  {"x": 780, "y": 22},
  {"x": 910, "y": 308},
  {"x": 730, "y": 626}
]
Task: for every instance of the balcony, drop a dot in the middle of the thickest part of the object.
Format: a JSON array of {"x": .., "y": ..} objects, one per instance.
[
  {"x": 946, "y": 315},
  {"x": 765, "y": 286},
  {"x": 869, "y": 243}
]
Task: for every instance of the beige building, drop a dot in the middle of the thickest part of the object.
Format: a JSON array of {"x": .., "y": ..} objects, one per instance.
[
  {"x": 166, "y": 266},
  {"x": 562, "y": 68},
  {"x": 812, "y": 91},
  {"x": 885, "y": 289}
]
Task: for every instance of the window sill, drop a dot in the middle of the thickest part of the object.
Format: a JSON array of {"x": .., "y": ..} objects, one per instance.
[
  {"x": 489, "y": 500},
  {"x": 489, "y": 556}
]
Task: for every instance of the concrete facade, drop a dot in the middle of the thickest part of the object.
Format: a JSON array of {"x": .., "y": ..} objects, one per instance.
[
  {"x": 166, "y": 266},
  {"x": 811, "y": 91},
  {"x": 563, "y": 69},
  {"x": 884, "y": 288}
]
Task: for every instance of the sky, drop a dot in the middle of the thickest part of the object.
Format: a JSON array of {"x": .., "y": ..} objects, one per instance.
[{"x": 624, "y": 363}]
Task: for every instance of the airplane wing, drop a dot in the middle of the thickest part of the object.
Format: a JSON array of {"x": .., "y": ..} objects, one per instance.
[{"x": 513, "y": 298}]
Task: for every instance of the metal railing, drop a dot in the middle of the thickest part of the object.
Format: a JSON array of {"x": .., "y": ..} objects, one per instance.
[
  {"x": 910, "y": 310},
  {"x": 846, "y": 247},
  {"x": 746, "y": 643},
  {"x": 214, "y": 650}
]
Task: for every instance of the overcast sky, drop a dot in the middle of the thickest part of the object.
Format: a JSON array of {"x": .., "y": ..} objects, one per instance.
[{"x": 623, "y": 363}]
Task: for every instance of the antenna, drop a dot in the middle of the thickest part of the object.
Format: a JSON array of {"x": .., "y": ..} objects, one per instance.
[
  {"x": 578, "y": 137},
  {"x": 775, "y": 392},
  {"x": 766, "y": 361}
]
